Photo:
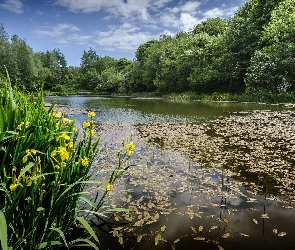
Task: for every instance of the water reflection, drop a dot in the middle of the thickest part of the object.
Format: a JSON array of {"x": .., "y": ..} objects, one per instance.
[{"x": 134, "y": 111}]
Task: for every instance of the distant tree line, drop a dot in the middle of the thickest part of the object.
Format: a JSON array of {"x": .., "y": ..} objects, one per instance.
[{"x": 252, "y": 52}]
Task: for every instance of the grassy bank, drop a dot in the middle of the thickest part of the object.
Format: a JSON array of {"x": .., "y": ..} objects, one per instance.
[{"x": 265, "y": 97}]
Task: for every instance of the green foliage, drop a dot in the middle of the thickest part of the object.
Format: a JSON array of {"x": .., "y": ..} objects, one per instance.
[
  {"x": 272, "y": 68},
  {"x": 212, "y": 26},
  {"x": 111, "y": 81},
  {"x": 242, "y": 39},
  {"x": 44, "y": 172}
]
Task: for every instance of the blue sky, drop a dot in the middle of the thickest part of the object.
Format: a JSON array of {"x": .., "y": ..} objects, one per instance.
[{"x": 111, "y": 27}]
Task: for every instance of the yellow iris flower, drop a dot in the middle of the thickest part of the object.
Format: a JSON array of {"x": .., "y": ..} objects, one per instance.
[
  {"x": 109, "y": 187},
  {"x": 91, "y": 114}
]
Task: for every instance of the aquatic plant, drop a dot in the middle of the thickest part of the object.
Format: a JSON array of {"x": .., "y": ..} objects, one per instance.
[{"x": 44, "y": 173}]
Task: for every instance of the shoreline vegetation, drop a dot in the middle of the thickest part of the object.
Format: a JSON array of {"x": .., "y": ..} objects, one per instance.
[
  {"x": 267, "y": 98},
  {"x": 45, "y": 177}
]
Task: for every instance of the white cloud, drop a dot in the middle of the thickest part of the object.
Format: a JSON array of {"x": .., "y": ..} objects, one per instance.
[
  {"x": 190, "y": 7},
  {"x": 130, "y": 9},
  {"x": 188, "y": 22},
  {"x": 79, "y": 39},
  {"x": 217, "y": 12},
  {"x": 56, "y": 30},
  {"x": 125, "y": 38},
  {"x": 13, "y": 5},
  {"x": 169, "y": 20}
]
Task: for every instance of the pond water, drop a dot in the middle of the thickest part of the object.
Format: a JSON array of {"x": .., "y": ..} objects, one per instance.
[
  {"x": 138, "y": 111},
  {"x": 207, "y": 175}
]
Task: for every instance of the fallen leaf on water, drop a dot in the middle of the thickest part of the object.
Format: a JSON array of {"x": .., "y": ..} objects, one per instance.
[
  {"x": 282, "y": 234},
  {"x": 220, "y": 247},
  {"x": 264, "y": 216},
  {"x": 225, "y": 220},
  {"x": 246, "y": 235},
  {"x": 139, "y": 223},
  {"x": 159, "y": 238},
  {"x": 177, "y": 240},
  {"x": 255, "y": 221},
  {"x": 194, "y": 230},
  {"x": 226, "y": 235},
  {"x": 201, "y": 228},
  {"x": 212, "y": 228},
  {"x": 163, "y": 228},
  {"x": 139, "y": 238},
  {"x": 199, "y": 238},
  {"x": 275, "y": 231},
  {"x": 156, "y": 216}
]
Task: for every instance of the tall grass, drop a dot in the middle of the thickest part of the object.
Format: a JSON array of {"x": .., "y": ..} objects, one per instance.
[{"x": 44, "y": 168}]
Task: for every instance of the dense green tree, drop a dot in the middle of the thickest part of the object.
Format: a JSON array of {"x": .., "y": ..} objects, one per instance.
[
  {"x": 7, "y": 57},
  {"x": 242, "y": 39},
  {"x": 56, "y": 63},
  {"x": 141, "y": 53},
  {"x": 212, "y": 26},
  {"x": 122, "y": 63},
  {"x": 273, "y": 67},
  {"x": 111, "y": 81},
  {"x": 26, "y": 71},
  {"x": 205, "y": 76},
  {"x": 104, "y": 63},
  {"x": 90, "y": 80},
  {"x": 89, "y": 60}
]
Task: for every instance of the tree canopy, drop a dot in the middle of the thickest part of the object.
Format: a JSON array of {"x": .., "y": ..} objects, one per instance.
[{"x": 253, "y": 51}]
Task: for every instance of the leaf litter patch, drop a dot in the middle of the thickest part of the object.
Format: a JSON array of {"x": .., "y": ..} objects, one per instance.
[{"x": 212, "y": 183}]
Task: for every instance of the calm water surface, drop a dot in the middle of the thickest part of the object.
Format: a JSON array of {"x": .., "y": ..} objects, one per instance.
[
  {"x": 221, "y": 204},
  {"x": 135, "y": 111}
]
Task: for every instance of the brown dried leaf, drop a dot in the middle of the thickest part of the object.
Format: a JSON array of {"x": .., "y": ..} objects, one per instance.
[
  {"x": 199, "y": 238},
  {"x": 194, "y": 230},
  {"x": 139, "y": 238},
  {"x": 226, "y": 235},
  {"x": 212, "y": 228},
  {"x": 156, "y": 216},
  {"x": 225, "y": 220},
  {"x": 246, "y": 235},
  {"x": 177, "y": 240},
  {"x": 264, "y": 216},
  {"x": 282, "y": 234}
]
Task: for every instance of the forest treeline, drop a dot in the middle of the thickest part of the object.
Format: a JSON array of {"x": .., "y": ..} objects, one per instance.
[{"x": 253, "y": 52}]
